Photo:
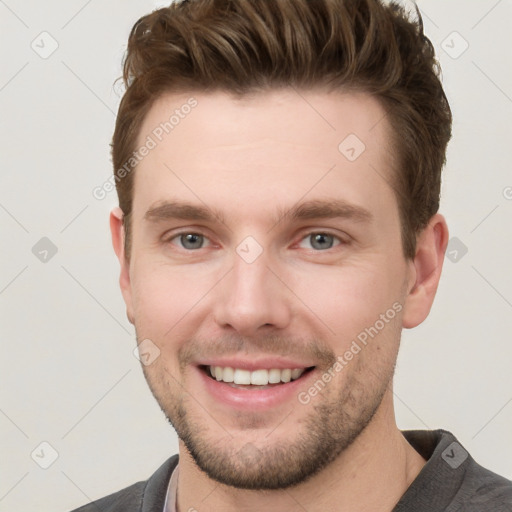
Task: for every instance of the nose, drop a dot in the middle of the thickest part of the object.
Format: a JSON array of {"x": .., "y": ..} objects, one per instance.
[{"x": 252, "y": 297}]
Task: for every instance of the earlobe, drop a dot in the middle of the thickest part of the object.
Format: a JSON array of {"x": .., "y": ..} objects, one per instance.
[
  {"x": 118, "y": 234},
  {"x": 428, "y": 263}
]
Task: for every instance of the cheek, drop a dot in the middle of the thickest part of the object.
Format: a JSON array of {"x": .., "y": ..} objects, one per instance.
[
  {"x": 351, "y": 299},
  {"x": 160, "y": 298},
  {"x": 340, "y": 300},
  {"x": 168, "y": 299}
]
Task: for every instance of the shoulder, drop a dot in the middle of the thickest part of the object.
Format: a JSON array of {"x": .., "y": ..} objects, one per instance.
[
  {"x": 128, "y": 499},
  {"x": 145, "y": 495},
  {"x": 451, "y": 479},
  {"x": 484, "y": 490}
]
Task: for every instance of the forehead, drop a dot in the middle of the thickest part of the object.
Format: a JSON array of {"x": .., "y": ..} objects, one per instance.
[{"x": 265, "y": 150}]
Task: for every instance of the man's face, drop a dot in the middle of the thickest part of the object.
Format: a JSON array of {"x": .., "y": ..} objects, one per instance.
[{"x": 261, "y": 291}]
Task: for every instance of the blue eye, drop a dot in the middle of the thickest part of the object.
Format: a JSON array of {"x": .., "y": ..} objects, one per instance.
[
  {"x": 319, "y": 241},
  {"x": 322, "y": 241},
  {"x": 190, "y": 241}
]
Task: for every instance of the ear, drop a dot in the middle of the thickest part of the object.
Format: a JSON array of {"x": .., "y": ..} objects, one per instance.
[
  {"x": 118, "y": 236},
  {"x": 426, "y": 271}
]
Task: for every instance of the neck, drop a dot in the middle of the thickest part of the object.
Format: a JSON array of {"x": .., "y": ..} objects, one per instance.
[{"x": 371, "y": 474}]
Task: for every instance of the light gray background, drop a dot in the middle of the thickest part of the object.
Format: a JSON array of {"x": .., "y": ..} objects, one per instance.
[{"x": 69, "y": 377}]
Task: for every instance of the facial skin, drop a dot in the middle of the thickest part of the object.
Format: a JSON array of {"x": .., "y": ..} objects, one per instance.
[{"x": 300, "y": 304}]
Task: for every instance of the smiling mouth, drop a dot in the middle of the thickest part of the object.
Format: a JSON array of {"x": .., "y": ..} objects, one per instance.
[{"x": 257, "y": 379}]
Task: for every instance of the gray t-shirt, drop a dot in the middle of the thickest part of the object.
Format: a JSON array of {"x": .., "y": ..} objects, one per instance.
[{"x": 450, "y": 481}]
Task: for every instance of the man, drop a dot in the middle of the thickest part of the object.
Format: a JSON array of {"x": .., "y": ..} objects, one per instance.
[{"x": 278, "y": 169}]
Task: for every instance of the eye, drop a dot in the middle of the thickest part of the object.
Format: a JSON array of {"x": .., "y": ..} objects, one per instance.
[
  {"x": 321, "y": 241},
  {"x": 189, "y": 241}
]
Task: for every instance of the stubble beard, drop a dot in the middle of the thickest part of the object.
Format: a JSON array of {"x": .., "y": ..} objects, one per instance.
[{"x": 332, "y": 424}]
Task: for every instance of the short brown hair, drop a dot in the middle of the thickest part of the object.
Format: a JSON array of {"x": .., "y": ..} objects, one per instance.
[{"x": 243, "y": 46}]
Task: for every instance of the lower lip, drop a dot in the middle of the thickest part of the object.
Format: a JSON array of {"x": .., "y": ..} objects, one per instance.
[{"x": 252, "y": 399}]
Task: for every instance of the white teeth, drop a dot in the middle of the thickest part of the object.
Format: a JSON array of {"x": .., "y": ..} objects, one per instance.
[
  {"x": 286, "y": 375},
  {"x": 240, "y": 377},
  {"x": 296, "y": 373},
  {"x": 228, "y": 374},
  {"x": 274, "y": 376},
  {"x": 257, "y": 377}
]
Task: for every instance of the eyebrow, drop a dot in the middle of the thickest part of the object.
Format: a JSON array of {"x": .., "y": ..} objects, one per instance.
[
  {"x": 325, "y": 209},
  {"x": 308, "y": 210},
  {"x": 168, "y": 210}
]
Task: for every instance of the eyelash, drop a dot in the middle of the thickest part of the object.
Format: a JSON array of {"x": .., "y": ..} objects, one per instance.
[{"x": 309, "y": 234}]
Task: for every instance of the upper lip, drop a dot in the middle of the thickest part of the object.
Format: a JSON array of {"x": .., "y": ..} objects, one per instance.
[{"x": 261, "y": 363}]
